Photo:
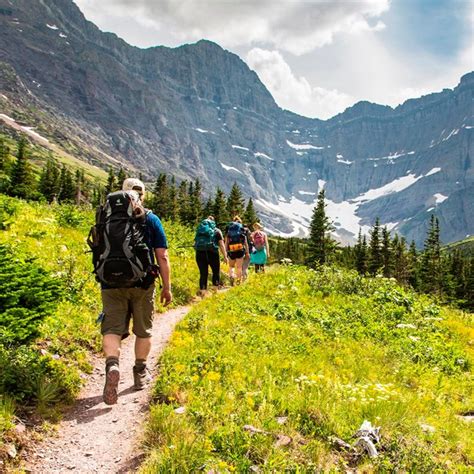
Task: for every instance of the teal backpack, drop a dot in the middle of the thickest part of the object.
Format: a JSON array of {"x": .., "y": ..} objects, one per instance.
[{"x": 205, "y": 236}]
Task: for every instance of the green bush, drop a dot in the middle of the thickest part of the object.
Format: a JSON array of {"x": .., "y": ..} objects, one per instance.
[
  {"x": 28, "y": 376},
  {"x": 27, "y": 295},
  {"x": 8, "y": 210}
]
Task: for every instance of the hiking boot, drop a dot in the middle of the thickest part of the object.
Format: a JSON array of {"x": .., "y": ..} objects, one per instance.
[
  {"x": 112, "y": 377},
  {"x": 141, "y": 378}
]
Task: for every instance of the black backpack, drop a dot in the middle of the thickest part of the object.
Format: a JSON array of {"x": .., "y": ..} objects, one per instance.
[{"x": 120, "y": 255}]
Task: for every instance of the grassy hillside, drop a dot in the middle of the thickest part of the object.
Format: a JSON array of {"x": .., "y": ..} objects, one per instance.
[
  {"x": 307, "y": 356},
  {"x": 466, "y": 247},
  {"x": 45, "y": 367}
]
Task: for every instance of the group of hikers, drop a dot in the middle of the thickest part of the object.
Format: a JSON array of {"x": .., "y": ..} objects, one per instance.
[
  {"x": 130, "y": 250},
  {"x": 240, "y": 248}
]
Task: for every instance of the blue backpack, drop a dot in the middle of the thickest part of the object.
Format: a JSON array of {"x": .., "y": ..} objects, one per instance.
[
  {"x": 205, "y": 236},
  {"x": 235, "y": 234}
]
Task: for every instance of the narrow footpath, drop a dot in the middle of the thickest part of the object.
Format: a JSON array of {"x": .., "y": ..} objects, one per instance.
[{"x": 94, "y": 437}]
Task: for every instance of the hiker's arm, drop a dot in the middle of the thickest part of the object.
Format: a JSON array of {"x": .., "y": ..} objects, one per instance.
[
  {"x": 267, "y": 246},
  {"x": 246, "y": 245},
  {"x": 165, "y": 271},
  {"x": 223, "y": 251}
]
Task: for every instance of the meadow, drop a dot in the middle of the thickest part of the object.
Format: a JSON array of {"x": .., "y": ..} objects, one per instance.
[
  {"x": 280, "y": 373},
  {"x": 49, "y": 305}
]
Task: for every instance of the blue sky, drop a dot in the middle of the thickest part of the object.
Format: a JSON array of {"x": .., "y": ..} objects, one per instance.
[{"x": 316, "y": 57}]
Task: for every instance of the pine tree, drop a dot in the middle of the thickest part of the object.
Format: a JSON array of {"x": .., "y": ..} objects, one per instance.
[
  {"x": 195, "y": 203},
  {"x": 4, "y": 152},
  {"x": 375, "y": 254},
  {"x": 183, "y": 200},
  {"x": 360, "y": 251},
  {"x": 235, "y": 202},
  {"x": 21, "y": 178},
  {"x": 320, "y": 244},
  {"x": 468, "y": 295},
  {"x": 49, "y": 181},
  {"x": 111, "y": 185},
  {"x": 160, "y": 197},
  {"x": 431, "y": 259},
  {"x": 412, "y": 266},
  {"x": 121, "y": 177},
  {"x": 386, "y": 253},
  {"x": 173, "y": 210},
  {"x": 250, "y": 215},
  {"x": 219, "y": 212},
  {"x": 208, "y": 209},
  {"x": 67, "y": 189},
  {"x": 401, "y": 263}
]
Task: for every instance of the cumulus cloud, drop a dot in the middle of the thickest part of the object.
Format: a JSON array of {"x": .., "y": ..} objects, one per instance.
[
  {"x": 295, "y": 26},
  {"x": 292, "y": 92}
]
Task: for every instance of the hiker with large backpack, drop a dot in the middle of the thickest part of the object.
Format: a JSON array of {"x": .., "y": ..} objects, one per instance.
[
  {"x": 126, "y": 241},
  {"x": 237, "y": 248},
  {"x": 261, "y": 252},
  {"x": 207, "y": 242}
]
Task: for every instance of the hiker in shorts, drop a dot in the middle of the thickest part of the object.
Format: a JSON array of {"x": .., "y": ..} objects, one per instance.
[
  {"x": 207, "y": 242},
  {"x": 261, "y": 252},
  {"x": 237, "y": 249},
  {"x": 120, "y": 305}
]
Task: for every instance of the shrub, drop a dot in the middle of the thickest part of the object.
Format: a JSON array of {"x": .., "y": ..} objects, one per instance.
[{"x": 27, "y": 294}]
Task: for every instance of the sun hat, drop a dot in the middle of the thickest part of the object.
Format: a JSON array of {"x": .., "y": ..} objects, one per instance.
[{"x": 133, "y": 184}]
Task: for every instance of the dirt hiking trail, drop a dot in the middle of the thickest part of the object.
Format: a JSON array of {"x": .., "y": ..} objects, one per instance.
[{"x": 95, "y": 437}]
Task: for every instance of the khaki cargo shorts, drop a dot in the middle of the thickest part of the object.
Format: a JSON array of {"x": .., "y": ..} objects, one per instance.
[{"x": 120, "y": 305}]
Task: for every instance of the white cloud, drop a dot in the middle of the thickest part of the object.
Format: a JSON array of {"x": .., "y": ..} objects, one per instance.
[
  {"x": 295, "y": 93},
  {"x": 294, "y": 26}
]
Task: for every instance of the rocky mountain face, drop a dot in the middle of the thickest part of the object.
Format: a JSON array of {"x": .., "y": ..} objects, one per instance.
[{"x": 199, "y": 111}]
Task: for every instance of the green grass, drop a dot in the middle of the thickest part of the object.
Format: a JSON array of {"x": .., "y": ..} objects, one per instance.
[
  {"x": 325, "y": 350},
  {"x": 465, "y": 246}
]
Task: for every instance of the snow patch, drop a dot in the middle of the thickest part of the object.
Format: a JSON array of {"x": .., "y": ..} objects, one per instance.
[
  {"x": 304, "y": 146},
  {"x": 395, "y": 186},
  {"x": 339, "y": 156},
  {"x": 295, "y": 131},
  {"x": 439, "y": 198},
  {"x": 306, "y": 193},
  {"x": 468, "y": 127},
  {"x": 301, "y": 153},
  {"x": 391, "y": 156},
  {"x": 229, "y": 168},
  {"x": 432, "y": 171},
  {"x": 263, "y": 155},
  {"x": 52, "y": 27},
  {"x": 237, "y": 147},
  {"x": 321, "y": 184},
  {"x": 345, "y": 162},
  {"x": 202, "y": 130},
  {"x": 430, "y": 209},
  {"x": 451, "y": 134},
  {"x": 62, "y": 35}
]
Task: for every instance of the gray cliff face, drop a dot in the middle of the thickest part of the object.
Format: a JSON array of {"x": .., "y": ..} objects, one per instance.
[{"x": 199, "y": 111}]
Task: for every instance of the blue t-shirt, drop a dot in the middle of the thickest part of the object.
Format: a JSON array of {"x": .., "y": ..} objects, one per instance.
[{"x": 155, "y": 234}]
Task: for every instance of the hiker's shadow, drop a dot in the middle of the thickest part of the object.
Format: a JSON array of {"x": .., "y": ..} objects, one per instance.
[{"x": 84, "y": 413}]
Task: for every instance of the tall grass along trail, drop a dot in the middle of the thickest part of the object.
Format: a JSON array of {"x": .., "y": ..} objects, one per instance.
[{"x": 94, "y": 437}]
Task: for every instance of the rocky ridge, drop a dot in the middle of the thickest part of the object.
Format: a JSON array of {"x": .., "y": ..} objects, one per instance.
[{"x": 199, "y": 111}]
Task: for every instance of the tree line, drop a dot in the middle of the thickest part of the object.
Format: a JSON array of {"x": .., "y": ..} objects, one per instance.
[
  {"x": 182, "y": 201},
  {"x": 448, "y": 275}
]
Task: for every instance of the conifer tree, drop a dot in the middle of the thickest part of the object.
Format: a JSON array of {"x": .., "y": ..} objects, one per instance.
[
  {"x": 183, "y": 200},
  {"x": 320, "y": 244},
  {"x": 195, "y": 203},
  {"x": 375, "y": 254},
  {"x": 360, "y": 251},
  {"x": 121, "y": 177},
  {"x": 250, "y": 215},
  {"x": 412, "y": 266},
  {"x": 469, "y": 285},
  {"x": 431, "y": 259},
  {"x": 21, "y": 178},
  {"x": 111, "y": 185},
  {"x": 400, "y": 260},
  {"x": 235, "y": 202},
  {"x": 160, "y": 197},
  {"x": 386, "y": 253},
  {"x": 67, "y": 189},
  {"x": 220, "y": 209},
  {"x": 49, "y": 180},
  {"x": 208, "y": 209},
  {"x": 173, "y": 210},
  {"x": 4, "y": 152}
]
